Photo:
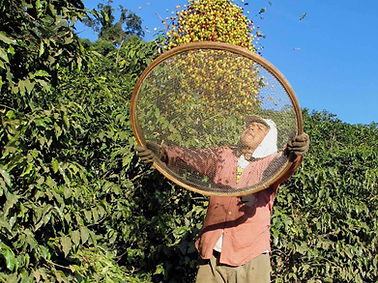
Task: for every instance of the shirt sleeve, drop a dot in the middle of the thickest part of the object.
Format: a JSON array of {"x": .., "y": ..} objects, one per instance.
[
  {"x": 293, "y": 167},
  {"x": 200, "y": 160}
]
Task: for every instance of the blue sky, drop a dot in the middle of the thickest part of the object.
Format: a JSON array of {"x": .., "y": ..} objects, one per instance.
[{"x": 330, "y": 57}]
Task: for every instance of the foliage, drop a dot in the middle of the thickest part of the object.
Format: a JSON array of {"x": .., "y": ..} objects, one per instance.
[
  {"x": 66, "y": 178},
  {"x": 36, "y": 39},
  {"x": 76, "y": 205},
  {"x": 324, "y": 227},
  {"x": 102, "y": 22},
  {"x": 57, "y": 198}
]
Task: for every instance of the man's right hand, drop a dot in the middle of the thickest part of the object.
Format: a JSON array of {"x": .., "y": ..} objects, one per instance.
[{"x": 148, "y": 152}]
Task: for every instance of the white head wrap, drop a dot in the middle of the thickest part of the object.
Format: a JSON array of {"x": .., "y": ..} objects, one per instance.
[{"x": 268, "y": 145}]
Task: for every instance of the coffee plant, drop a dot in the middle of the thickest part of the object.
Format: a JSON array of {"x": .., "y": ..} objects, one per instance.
[{"x": 77, "y": 205}]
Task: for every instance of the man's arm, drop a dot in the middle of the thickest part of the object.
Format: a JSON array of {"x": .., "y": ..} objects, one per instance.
[
  {"x": 295, "y": 149},
  {"x": 148, "y": 152},
  {"x": 200, "y": 160}
]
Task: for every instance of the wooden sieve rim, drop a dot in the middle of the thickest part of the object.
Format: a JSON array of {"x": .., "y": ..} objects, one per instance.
[{"x": 159, "y": 165}]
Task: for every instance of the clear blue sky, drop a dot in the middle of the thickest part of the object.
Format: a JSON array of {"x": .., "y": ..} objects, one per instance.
[{"x": 330, "y": 57}]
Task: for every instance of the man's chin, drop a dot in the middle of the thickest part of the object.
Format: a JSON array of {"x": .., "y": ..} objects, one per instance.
[{"x": 247, "y": 155}]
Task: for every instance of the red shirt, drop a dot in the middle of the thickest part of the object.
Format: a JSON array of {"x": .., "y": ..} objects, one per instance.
[{"x": 246, "y": 228}]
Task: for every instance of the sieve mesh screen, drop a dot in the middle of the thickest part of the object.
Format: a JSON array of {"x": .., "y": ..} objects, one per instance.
[{"x": 195, "y": 101}]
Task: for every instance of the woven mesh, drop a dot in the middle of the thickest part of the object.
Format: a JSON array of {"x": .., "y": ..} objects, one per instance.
[{"x": 195, "y": 103}]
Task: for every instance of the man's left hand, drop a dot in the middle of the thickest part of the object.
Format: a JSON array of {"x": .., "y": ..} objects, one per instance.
[
  {"x": 248, "y": 199},
  {"x": 299, "y": 145}
]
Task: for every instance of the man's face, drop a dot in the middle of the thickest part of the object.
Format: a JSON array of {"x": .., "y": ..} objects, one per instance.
[{"x": 252, "y": 136}]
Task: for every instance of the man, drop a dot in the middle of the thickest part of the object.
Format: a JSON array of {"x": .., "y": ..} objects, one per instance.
[{"x": 234, "y": 243}]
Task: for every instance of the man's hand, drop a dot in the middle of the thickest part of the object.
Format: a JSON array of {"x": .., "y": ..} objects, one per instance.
[
  {"x": 299, "y": 145},
  {"x": 248, "y": 199},
  {"x": 148, "y": 152}
]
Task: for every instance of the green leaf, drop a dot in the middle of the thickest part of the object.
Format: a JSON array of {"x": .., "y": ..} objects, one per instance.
[
  {"x": 84, "y": 233},
  {"x": 75, "y": 236},
  {"x": 26, "y": 85},
  {"x": 58, "y": 131},
  {"x": 55, "y": 165},
  {"x": 3, "y": 55},
  {"x": 66, "y": 244},
  {"x": 12, "y": 199},
  {"x": 159, "y": 269},
  {"x": 5, "y": 177},
  {"x": 29, "y": 85},
  {"x": 11, "y": 50},
  {"x": 44, "y": 252},
  {"x": 9, "y": 257},
  {"x": 27, "y": 170},
  {"x": 11, "y": 114},
  {"x": 88, "y": 215},
  {"x": 94, "y": 214},
  {"x": 6, "y": 39},
  {"x": 41, "y": 73},
  {"x": 41, "y": 49}
]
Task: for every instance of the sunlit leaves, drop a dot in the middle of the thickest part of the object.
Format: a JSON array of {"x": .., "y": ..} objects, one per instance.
[
  {"x": 59, "y": 149},
  {"x": 8, "y": 256},
  {"x": 76, "y": 205},
  {"x": 327, "y": 209},
  {"x": 36, "y": 39}
]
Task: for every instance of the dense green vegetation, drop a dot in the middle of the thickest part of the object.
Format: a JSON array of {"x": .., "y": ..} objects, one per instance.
[{"x": 76, "y": 204}]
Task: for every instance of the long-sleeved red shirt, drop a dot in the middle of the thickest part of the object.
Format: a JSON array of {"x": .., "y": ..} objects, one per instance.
[{"x": 245, "y": 228}]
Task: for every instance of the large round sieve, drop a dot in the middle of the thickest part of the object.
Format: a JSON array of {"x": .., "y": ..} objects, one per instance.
[{"x": 196, "y": 100}]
